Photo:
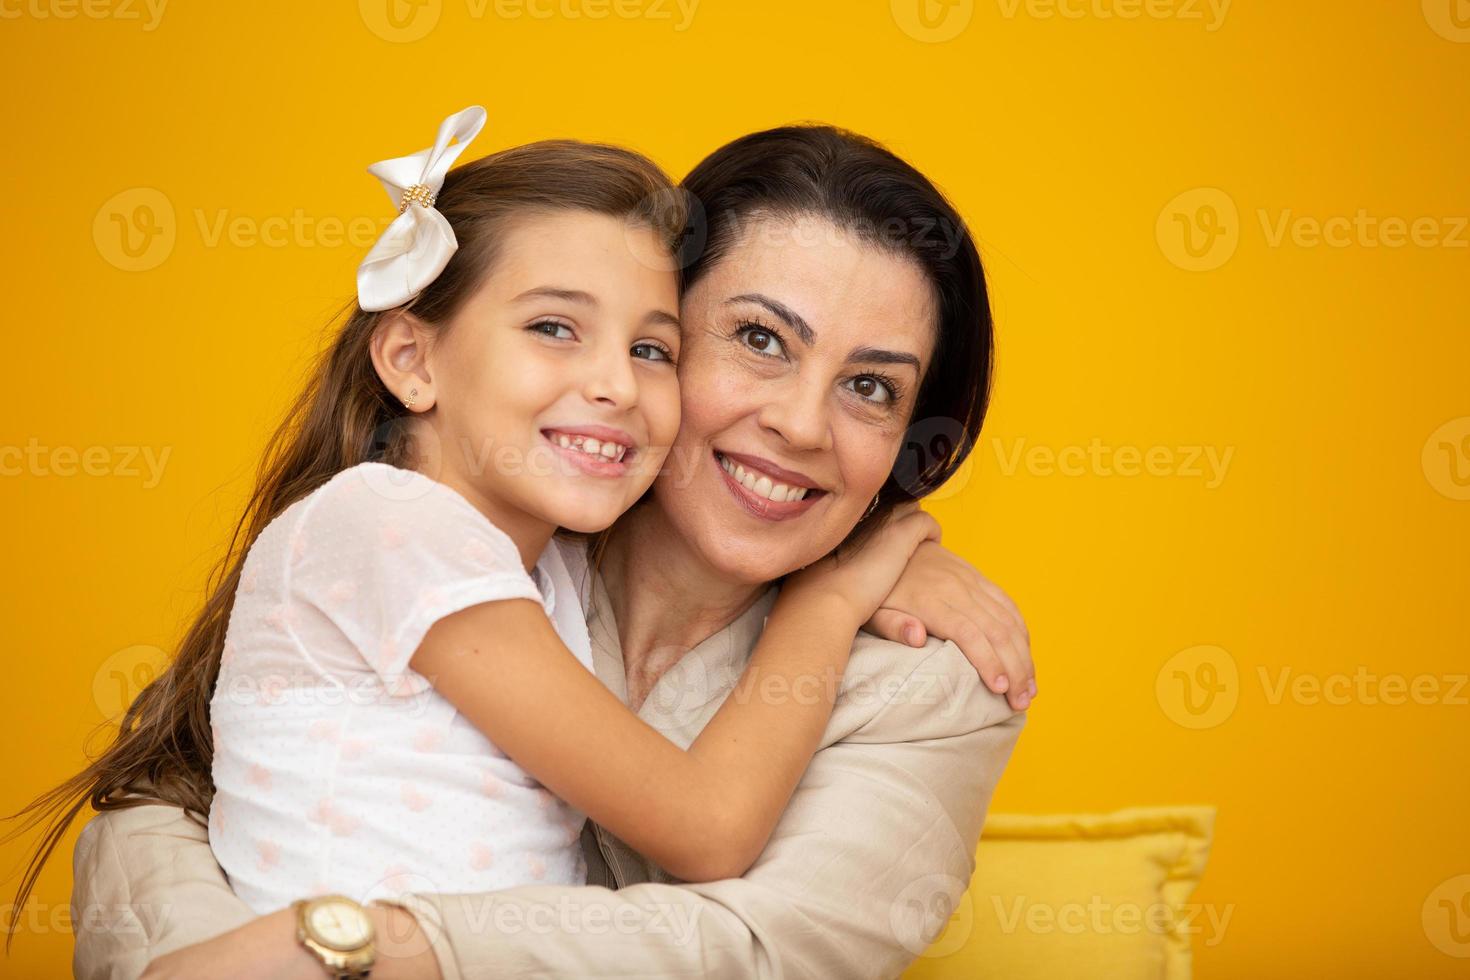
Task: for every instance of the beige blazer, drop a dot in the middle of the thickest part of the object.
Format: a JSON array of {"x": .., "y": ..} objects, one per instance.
[{"x": 861, "y": 872}]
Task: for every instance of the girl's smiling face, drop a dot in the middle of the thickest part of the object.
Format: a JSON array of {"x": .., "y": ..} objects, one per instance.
[{"x": 551, "y": 394}]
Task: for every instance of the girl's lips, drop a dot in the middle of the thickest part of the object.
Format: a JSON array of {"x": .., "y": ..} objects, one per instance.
[
  {"x": 589, "y": 464},
  {"x": 763, "y": 507}
]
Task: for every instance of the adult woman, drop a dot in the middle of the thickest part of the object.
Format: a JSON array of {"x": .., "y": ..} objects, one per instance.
[{"x": 831, "y": 302}]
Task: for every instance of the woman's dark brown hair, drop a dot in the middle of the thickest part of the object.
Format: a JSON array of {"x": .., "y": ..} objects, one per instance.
[
  {"x": 866, "y": 190},
  {"x": 344, "y": 416}
]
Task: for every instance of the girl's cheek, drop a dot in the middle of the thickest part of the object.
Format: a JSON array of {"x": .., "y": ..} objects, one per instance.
[{"x": 666, "y": 425}]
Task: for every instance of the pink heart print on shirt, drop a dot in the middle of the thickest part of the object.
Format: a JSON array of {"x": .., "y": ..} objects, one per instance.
[
  {"x": 270, "y": 854},
  {"x": 481, "y": 857},
  {"x": 413, "y": 798},
  {"x": 342, "y": 591},
  {"x": 341, "y": 824}
]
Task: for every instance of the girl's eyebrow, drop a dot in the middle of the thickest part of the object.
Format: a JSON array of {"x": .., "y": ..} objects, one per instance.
[
  {"x": 661, "y": 317},
  {"x": 556, "y": 292},
  {"x": 651, "y": 318}
]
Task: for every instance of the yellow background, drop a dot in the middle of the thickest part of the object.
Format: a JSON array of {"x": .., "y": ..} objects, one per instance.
[{"x": 1334, "y": 544}]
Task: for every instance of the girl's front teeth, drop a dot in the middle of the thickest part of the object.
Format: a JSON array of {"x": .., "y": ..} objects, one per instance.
[
  {"x": 611, "y": 451},
  {"x": 762, "y": 486}
]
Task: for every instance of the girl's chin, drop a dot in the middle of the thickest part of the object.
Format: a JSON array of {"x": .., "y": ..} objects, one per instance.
[{"x": 581, "y": 521}]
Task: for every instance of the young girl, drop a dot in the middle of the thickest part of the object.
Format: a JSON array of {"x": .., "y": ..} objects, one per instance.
[{"x": 405, "y": 699}]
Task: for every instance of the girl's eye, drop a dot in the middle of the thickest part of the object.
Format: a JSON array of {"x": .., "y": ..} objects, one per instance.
[
  {"x": 550, "y": 328},
  {"x": 871, "y": 387},
  {"x": 761, "y": 340},
  {"x": 653, "y": 352}
]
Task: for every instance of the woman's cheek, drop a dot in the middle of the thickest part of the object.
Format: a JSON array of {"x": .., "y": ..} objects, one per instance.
[{"x": 866, "y": 457}]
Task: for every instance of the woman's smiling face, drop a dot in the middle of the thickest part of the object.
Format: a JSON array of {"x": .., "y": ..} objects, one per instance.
[{"x": 803, "y": 352}]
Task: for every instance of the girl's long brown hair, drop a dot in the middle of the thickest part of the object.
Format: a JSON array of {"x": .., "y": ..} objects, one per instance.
[{"x": 344, "y": 416}]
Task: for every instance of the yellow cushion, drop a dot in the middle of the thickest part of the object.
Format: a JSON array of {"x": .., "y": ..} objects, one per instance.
[{"x": 1089, "y": 895}]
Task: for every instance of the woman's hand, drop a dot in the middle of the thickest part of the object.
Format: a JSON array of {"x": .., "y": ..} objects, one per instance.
[
  {"x": 263, "y": 947},
  {"x": 862, "y": 578},
  {"x": 267, "y": 947},
  {"x": 942, "y": 594}
]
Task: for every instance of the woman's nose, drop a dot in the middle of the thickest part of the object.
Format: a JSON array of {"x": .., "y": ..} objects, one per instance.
[{"x": 798, "y": 413}]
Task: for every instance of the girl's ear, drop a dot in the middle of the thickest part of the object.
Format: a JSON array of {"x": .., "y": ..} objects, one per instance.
[{"x": 399, "y": 350}]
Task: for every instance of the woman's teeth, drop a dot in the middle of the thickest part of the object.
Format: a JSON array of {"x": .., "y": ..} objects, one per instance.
[
  {"x": 611, "y": 451},
  {"x": 762, "y": 486}
]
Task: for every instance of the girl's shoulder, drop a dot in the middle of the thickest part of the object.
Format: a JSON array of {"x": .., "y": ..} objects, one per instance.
[
  {"x": 392, "y": 505},
  {"x": 380, "y": 489}
]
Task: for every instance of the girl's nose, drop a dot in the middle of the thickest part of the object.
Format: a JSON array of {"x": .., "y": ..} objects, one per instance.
[{"x": 610, "y": 379}]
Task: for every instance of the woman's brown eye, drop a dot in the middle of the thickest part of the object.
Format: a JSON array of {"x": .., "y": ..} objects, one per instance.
[
  {"x": 866, "y": 386},
  {"x": 764, "y": 342}
]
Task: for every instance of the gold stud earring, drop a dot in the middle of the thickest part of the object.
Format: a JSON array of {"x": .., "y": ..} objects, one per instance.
[{"x": 412, "y": 397}]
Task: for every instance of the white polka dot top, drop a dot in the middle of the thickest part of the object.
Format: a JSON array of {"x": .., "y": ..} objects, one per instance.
[{"x": 337, "y": 767}]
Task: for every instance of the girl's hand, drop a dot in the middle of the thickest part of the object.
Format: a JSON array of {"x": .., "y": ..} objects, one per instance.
[
  {"x": 942, "y": 594},
  {"x": 861, "y": 579}
]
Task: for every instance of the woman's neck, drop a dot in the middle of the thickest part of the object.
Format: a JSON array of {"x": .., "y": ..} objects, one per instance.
[{"x": 665, "y": 599}]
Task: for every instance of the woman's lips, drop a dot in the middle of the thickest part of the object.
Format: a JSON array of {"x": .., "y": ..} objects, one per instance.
[{"x": 763, "y": 507}]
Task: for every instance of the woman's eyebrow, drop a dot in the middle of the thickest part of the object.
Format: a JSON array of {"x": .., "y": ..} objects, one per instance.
[
  {"x": 876, "y": 355},
  {"x": 778, "y": 309},
  {"x": 862, "y": 355}
]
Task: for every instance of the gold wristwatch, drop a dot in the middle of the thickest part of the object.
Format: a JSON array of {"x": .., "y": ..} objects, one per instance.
[{"x": 339, "y": 933}]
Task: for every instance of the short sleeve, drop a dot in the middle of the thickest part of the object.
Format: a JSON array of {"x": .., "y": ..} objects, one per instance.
[{"x": 383, "y": 553}]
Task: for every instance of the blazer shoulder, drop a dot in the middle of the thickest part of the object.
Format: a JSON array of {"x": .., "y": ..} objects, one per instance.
[{"x": 915, "y": 693}]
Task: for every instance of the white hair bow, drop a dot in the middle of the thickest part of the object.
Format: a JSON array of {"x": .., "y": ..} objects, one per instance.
[{"x": 416, "y": 247}]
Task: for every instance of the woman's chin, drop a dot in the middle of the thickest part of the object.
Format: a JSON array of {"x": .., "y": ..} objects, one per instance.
[{"x": 751, "y": 562}]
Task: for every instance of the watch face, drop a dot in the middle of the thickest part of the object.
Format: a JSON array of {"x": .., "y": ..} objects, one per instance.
[{"x": 338, "y": 924}]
